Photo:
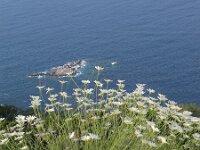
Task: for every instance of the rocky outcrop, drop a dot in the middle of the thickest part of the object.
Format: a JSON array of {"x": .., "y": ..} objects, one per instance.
[{"x": 69, "y": 69}]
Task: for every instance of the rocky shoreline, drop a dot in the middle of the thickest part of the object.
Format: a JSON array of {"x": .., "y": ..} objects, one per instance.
[{"x": 68, "y": 69}]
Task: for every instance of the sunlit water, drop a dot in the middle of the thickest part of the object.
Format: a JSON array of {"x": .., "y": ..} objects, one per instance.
[{"x": 154, "y": 42}]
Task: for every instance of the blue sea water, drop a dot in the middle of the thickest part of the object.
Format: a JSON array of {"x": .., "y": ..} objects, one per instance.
[{"x": 155, "y": 42}]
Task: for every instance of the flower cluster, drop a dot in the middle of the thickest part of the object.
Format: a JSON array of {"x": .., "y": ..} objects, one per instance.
[{"x": 112, "y": 117}]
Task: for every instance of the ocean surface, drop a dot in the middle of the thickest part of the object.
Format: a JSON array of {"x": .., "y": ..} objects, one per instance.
[{"x": 155, "y": 42}]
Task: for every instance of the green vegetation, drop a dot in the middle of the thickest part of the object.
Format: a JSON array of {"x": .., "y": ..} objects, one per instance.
[
  {"x": 102, "y": 118},
  {"x": 9, "y": 112},
  {"x": 195, "y": 109}
]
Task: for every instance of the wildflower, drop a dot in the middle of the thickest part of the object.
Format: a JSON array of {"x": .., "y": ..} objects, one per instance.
[
  {"x": 66, "y": 105},
  {"x": 115, "y": 112},
  {"x": 153, "y": 126},
  {"x": 85, "y": 82},
  {"x": 140, "y": 103},
  {"x": 57, "y": 103},
  {"x": 71, "y": 135},
  {"x": 83, "y": 120},
  {"x": 90, "y": 136},
  {"x": 53, "y": 97},
  {"x": 34, "y": 97},
  {"x": 143, "y": 111},
  {"x": 30, "y": 119},
  {"x": 35, "y": 102},
  {"x": 64, "y": 94},
  {"x": 127, "y": 120},
  {"x": 196, "y": 136},
  {"x": 151, "y": 144},
  {"x": 4, "y": 141},
  {"x": 42, "y": 134},
  {"x": 68, "y": 109},
  {"x": 1, "y": 119},
  {"x": 49, "y": 90},
  {"x": 117, "y": 103},
  {"x": 77, "y": 92},
  {"x": 195, "y": 119},
  {"x": 174, "y": 107},
  {"x": 188, "y": 128},
  {"x": 133, "y": 109},
  {"x": 68, "y": 119},
  {"x": 162, "y": 139},
  {"x": 138, "y": 133},
  {"x": 18, "y": 138},
  {"x": 62, "y": 82},
  {"x": 120, "y": 81},
  {"x": 49, "y": 110},
  {"x": 121, "y": 86},
  {"x": 2, "y": 132},
  {"x": 175, "y": 126},
  {"x": 108, "y": 124},
  {"x": 153, "y": 99},
  {"x": 95, "y": 117},
  {"x": 140, "y": 86},
  {"x": 138, "y": 92},
  {"x": 141, "y": 127},
  {"x": 121, "y": 90},
  {"x": 162, "y": 97},
  {"x": 39, "y": 126},
  {"x": 98, "y": 84},
  {"x": 77, "y": 89},
  {"x": 14, "y": 133},
  {"x": 186, "y": 136},
  {"x": 40, "y": 87},
  {"x": 88, "y": 91},
  {"x": 150, "y": 102},
  {"x": 20, "y": 120},
  {"x": 151, "y": 91},
  {"x": 98, "y": 68},
  {"x": 197, "y": 144},
  {"x": 186, "y": 114},
  {"x": 79, "y": 99},
  {"x": 107, "y": 106},
  {"x": 24, "y": 148},
  {"x": 108, "y": 80},
  {"x": 140, "y": 89},
  {"x": 103, "y": 91}
]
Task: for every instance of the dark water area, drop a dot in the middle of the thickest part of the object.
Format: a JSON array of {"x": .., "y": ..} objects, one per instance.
[{"x": 154, "y": 42}]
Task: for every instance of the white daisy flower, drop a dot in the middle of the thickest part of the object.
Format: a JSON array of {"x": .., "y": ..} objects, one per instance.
[
  {"x": 86, "y": 82},
  {"x": 133, "y": 109},
  {"x": 98, "y": 68},
  {"x": 71, "y": 135},
  {"x": 162, "y": 139},
  {"x": 90, "y": 136}
]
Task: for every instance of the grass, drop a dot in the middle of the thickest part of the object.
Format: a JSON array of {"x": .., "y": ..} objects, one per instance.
[{"x": 95, "y": 116}]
